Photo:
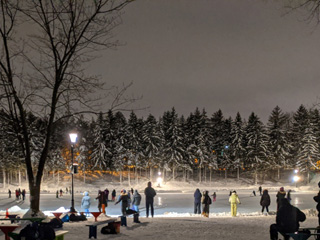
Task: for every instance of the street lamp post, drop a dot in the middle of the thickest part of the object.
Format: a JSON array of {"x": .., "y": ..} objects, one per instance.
[{"x": 73, "y": 139}]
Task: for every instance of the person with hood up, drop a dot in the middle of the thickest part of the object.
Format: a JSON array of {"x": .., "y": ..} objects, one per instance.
[
  {"x": 265, "y": 201},
  {"x": 197, "y": 201},
  {"x": 287, "y": 220},
  {"x": 150, "y": 193},
  {"x": 85, "y": 203},
  {"x": 136, "y": 200},
  {"x": 123, "y": 198},
  {"x": 101, "y": 200},
  {"x": 280, "y": 195},
  {"x": 206, "y": 201},
  {"x": 234, "y": 201}
]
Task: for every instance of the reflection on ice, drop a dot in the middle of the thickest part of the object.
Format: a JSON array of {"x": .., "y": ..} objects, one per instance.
[
  {"x": 296, "y": 201},
  {"x": 159, "y": 201}
]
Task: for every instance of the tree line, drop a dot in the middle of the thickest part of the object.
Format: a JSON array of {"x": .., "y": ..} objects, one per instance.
[{"x": 176, "y": 144}]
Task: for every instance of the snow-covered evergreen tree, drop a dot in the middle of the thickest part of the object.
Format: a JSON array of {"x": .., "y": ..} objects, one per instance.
[
  {"x": 237, "y": 150},
  {"x": 278, "y": 144},
  {"x": 309, "y": 152},
  {"x": 256, "y": 145}
]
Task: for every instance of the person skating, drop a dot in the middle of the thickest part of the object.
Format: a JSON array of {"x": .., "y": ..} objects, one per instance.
[
  {"x": 197, "y": 201},
  {"x": 113, "y": 195},
  {"x": 287, "y": 220},
  {"x": 150, "y": 193},
  {"x": 23, "y": 193},
  {"x": 206, "y": 201},
  {"x": 57, "y": 194},
  {"x": 123, "y": 198},
  {"x": 280, "y": 195},
  {"x": 105, "y": 203},
  {"x": 234, "y": 201},
  {"x": 265, "y": 201},
  {"x": 85, "y": 203},
  {"x": 61, "y": 193},
  {"x": 100, "y": 199},
  {"x": 260, "y": 190},
  {"x": 214, "y": 197},
  {"x": 9, "y": 192},
  {"x": 136, "y": 200}
]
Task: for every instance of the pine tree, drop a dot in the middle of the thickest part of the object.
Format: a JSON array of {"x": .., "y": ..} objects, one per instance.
[
  {"x": 256, "y": 145},
  {"x": 309, "y": 152},
  {"x": 236, "y": 147},
  {"x": 278, "y": 144}
]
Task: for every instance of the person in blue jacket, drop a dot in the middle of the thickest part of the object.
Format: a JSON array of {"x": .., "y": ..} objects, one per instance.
[
  {"x": 85, "y": 203},
  {"x": 197, "y": 201}
]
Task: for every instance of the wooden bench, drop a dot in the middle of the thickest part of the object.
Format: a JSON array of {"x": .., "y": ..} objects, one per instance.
[
  {"x": 93, "y": 226},
  {"x": 60, "y": 234}
]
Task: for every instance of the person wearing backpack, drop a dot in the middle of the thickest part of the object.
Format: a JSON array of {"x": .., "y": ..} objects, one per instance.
[
  {"x": 206, "y": 202},
  {"x": 234, "y": 201}
]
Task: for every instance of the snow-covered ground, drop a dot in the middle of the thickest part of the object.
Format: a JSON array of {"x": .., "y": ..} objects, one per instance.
[{"x": 174, "y": 218}]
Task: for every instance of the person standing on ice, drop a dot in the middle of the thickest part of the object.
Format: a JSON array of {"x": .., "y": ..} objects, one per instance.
[
  {"x": 234, "y": 201},
  {"x": 9, "y": 193},
  {"x": 123, "y": 198},
  {"x": 100, "y": 199},
  {"x": 260, "y": 190},
  {"x": 280, "y": 195},
  {"x": 214, "y": 197},
  {"x": 113, "y": 195},
  {"x": 85, "y": 203},
  {"x": 136, "y": 200},
  {"x": 197, "y": 201},
  {"x": 206, "y": 201},
  {"x": 150, "y": 193},
  {"x": 265, "y": 201}
]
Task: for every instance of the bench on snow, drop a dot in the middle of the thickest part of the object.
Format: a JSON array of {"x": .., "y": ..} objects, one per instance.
[
  {"x": 303, "y": 235},
  {"x": 93, "y": 226},
  {"x": 60, "y": 234}
]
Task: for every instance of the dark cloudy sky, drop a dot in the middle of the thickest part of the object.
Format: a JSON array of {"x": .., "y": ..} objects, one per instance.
[{"x": 233, "y": 55}]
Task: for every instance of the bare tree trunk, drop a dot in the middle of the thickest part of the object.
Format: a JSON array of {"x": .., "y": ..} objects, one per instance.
[
  {"x": 58, "y": 177},
  {"x": 136, "y": 174},
  {"x": 279, "y": 175},
  {"x": 151, "y": 174},
  {"x": 200, "y": 180},
  {"x": 238, "y": 173},
  {"x": 225, "y": 173},
  {"x": 129, "y": 182},
  {"x": 256, "y": 177},
  {"x": 19, "y": 177},
  {"x": 120, "y": 177},
  {"x": 4, "y": 177},
  {"x": 210, "y": 175},
  {"x": 173, "y": 171}
]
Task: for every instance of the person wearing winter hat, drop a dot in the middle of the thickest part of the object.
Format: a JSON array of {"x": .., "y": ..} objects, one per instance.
[
  {"x": 280, "y": 195},
  {"x": 85, "y": 203},
  {"x": 124, "y": 202},
  {"x": 234, "y": 201}
]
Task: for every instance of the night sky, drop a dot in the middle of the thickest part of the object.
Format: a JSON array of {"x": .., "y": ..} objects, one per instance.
[{"x": 246, "y": 56}]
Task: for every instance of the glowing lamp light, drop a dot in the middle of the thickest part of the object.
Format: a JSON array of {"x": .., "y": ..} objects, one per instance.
[
  {"x": 296, "y": 171},
  {"x": 73, "y": 137},
  {"x": 296, "y": 178},
  {"x": 159, "y": 181}
]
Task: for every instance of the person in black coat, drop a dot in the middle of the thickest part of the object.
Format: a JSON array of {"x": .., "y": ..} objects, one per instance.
[
  {"x": 265, "y": 201},
  {"x": 197, "y": 201},
  {"x": 150, "y": 194},
  {"x": 287, "y": 220},
  {"x": 317, "y": 199},
  {"x": 124, "y": 198},
  {"x": 280, "y": 195}
]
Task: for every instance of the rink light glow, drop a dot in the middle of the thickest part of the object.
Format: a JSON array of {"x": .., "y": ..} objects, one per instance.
[
  {"x": 296, "y": 178},
  {"x": 159, "y": 181}
]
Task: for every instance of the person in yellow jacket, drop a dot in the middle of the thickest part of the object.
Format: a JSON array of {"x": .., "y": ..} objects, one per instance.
[{"x": 234, "y": 200}]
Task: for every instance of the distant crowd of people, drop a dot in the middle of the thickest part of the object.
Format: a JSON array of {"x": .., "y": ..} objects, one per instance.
[{"x": 20, "y": 194}]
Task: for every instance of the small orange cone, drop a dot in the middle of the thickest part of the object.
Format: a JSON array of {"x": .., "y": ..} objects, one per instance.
[{"x": 7, "y": 213}]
